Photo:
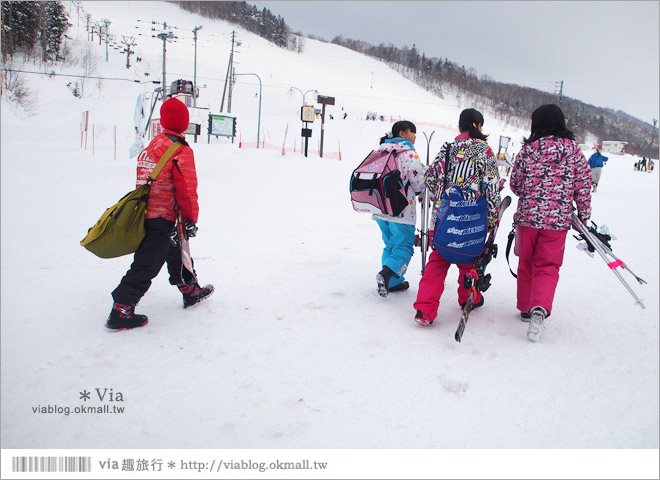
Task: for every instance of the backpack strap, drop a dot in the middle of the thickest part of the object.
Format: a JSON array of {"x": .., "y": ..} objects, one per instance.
[
  {"x": 407, "y": 185},
  {"x": 512, "y": 236},
  {"x": 446, "y": 172},
  {"x": 163, "y": 160}
]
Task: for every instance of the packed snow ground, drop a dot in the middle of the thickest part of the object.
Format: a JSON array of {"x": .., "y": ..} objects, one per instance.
[{"x": 296, "y": 349}]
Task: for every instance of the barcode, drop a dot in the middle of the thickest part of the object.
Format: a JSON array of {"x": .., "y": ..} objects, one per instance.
[{"x": 51, "y": 464}]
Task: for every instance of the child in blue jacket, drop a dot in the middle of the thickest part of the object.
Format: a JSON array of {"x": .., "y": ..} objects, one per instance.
[{"x": 596, "y": 162}]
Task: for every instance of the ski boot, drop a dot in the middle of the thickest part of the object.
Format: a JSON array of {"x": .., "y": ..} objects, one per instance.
[
  {"x": 400, "y": 287},
  {"x": 193, "y": 294},
  {"x": 383, "y": 280},
  {"x": 419, "y": 318},
  {"x": 123, "y": 317},
  {"x": 535, "y": 329}
]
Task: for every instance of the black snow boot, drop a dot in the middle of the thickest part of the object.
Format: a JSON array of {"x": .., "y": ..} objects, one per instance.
[
  {"x": 383, "y": 280},
  {"x": 123, "y": 317},
  {"x": 419, "y": 318},
  {"x": 400, "y": 287},
  {"x": 193, "y": 294}
]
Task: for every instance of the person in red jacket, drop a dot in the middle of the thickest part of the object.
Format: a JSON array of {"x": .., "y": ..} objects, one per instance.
[{"x": 174, "y": 191}]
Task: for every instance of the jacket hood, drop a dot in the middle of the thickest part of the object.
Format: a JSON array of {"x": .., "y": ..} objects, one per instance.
[
  {"x": 466, "y": 148},
  {"x": 398, "y": 144},
  {"x": 552, "y": 149}
]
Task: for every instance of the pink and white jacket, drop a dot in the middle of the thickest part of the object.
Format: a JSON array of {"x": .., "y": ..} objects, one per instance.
[
  {"x": 548, "y": 175},
  {"x": 412, "y": 174}
]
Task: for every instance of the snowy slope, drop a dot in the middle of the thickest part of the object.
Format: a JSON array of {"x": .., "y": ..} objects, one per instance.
[{"x": 296, "y": 349}]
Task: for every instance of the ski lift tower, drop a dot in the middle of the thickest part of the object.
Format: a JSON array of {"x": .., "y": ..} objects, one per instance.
[
  {"x": 504, "y": 159},
  {"x": 184, "y": 91},
  {"x": 165, "y": 37}
]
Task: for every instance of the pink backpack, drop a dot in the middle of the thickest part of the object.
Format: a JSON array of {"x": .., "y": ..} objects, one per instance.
[{"x": 376, "y": 185}]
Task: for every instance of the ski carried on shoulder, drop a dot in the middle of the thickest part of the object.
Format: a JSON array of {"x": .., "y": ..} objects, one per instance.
[{"x": 477, "y": 280}]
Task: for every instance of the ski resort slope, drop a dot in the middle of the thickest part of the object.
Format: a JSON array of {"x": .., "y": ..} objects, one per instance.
[{"x": 295, "y": 350}]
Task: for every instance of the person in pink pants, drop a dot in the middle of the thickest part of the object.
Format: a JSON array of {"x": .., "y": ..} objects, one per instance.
[
  {"x": 432, "y": 285},
  {"x": 541, "y": 253},
  {"x": 550, "y": 174},
  {"x": 472, "y": 168}
]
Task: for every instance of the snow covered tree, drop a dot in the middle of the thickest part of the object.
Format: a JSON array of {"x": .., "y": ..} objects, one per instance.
[
  {"x": 20, "y": 26},
  {"x": 55, "y": 27},
  {"x": 262, "y": 22},
  {"x": 24, "y": 24}
]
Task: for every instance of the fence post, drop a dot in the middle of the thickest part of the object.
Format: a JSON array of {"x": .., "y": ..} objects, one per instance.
[{"x": 284, "y": 142}]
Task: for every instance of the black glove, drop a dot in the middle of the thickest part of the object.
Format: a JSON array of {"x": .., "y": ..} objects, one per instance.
[
  {"x": 189, "y": 229},
  {"x": 605, "y": 239}
]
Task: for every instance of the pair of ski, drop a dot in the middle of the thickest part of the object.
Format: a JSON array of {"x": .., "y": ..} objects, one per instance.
[
  {"x": 477, "y": 280},
  {"x": 593, "y": 239},
  {"x": 184, "y": 245}
]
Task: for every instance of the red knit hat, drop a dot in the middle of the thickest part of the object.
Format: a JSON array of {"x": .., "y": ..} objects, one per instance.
[{"x": 174, "y": 115}]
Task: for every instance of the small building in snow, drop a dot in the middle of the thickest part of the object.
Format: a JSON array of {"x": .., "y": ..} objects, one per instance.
[{"x": 614, "y": 146}]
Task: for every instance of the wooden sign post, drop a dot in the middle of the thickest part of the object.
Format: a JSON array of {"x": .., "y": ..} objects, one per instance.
[
  {"x": 83, "y": 128},
  {"x": 324, "y": 101}
]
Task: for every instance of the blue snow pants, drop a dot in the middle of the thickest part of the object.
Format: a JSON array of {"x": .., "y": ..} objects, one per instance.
[{"x": 399, "y": 241}]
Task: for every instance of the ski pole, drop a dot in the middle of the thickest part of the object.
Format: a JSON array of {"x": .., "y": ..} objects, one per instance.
[
  {"x": 424, "y": 231},
  {"x": 600, "y": 248},
  {"x": 620, "y": 262},
  {"x": 606, "y": 248},
  {"x": 623, "y": 265}
]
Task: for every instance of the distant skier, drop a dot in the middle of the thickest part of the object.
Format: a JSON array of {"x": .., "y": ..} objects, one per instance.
[
  {"x": 473, "y": 168},
  {"x": 550, "y": 173},
  {"x": 398, "y": 233},
  {"x": 175, "y": 189},
  {"x": 596, "y": 162}
]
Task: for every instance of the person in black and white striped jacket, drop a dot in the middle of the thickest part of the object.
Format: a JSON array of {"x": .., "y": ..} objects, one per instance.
[{"x": 472, "y": 167}]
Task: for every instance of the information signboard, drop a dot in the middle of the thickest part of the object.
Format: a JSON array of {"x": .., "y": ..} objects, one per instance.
[
  {"x": 307, "y": 113},
  {"x": 222, "y": 125}
]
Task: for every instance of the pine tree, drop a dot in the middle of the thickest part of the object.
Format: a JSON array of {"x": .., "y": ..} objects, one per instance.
[
  {"x": 26, "y": 23},
  {"x": 56, "y": 26},
  {"x": 262, "y": 22},
  {"x": 19, "y": 26}
]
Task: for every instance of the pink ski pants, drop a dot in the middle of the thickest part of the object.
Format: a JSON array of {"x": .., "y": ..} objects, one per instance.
[
  {"x": 432, "y": 285},
  {"x": 540, "y": 254}
]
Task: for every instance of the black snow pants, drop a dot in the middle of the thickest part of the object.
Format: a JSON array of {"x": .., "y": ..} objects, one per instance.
[{"x": 153, "y": 252}]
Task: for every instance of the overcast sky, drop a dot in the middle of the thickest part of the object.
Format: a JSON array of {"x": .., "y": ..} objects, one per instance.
[{"x": 606, "y": 52}]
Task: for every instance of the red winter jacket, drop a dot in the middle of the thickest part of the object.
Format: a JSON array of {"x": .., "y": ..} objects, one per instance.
[{"x": 176, "y": 185}]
